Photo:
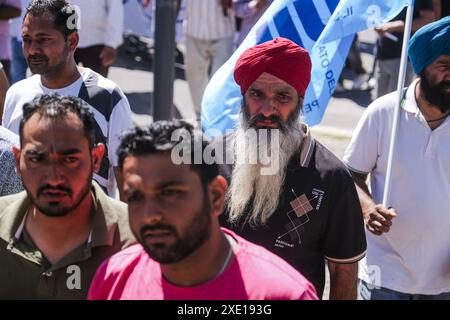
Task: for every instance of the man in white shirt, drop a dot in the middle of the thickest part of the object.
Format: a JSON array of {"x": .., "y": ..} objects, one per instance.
[
  {"x": 408, "y": 245},
  {"x": 50, "y": 39},
  {"x": 209, "y": 28},
  {"x": 101, "y": 33}
]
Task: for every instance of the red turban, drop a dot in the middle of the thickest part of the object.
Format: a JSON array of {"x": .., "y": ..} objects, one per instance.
[{"x": 280, "y": 57}]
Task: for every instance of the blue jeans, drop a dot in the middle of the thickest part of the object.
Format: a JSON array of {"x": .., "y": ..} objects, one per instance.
[
  {"x": 18, "y": 63},
  {"x": 367, "y": 292}
]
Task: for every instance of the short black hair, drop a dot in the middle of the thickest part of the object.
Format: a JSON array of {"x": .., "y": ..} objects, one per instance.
[
  {"x": 57, "y": 107},
  {"x": 157, "y": 138},
  {"x": 65, "y": 17}
]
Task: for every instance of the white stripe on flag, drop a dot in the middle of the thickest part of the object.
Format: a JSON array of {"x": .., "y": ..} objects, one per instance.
[
  {"x": 272, "y": 28},
  {"x": 307, "y": 42}
]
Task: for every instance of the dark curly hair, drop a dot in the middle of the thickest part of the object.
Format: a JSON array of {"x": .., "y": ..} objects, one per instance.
[
  {"x": 57, "y": 106},
  {"x": 158, "y": 138}
]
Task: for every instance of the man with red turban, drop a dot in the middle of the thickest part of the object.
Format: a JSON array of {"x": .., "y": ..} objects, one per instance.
[{"x": 307, "y": 209}]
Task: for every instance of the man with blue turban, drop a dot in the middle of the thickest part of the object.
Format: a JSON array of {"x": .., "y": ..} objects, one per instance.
[
  {"x": 429, "y": 52},
  {"x": 407, "y": 243}
]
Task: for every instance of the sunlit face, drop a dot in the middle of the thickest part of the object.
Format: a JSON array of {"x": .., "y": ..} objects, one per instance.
[
  {"x": 169, "y": 210},
  {"x": 270, "y": 102},
  {"x": 435, "y": 83},
  {"x": 44, "y": 47},
  {"x": 56, "y": 163}
]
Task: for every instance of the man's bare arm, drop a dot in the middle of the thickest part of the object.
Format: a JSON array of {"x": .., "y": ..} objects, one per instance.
[
  {"x": 377, "y": 218},
  {"x": 426, "y": 17},
  {"x": 343, "y": 281},
  {"x": 365, "y": 198}
]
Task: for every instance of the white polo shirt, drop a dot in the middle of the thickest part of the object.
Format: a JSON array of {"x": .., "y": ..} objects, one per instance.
[{"x": 414, "y": 256}]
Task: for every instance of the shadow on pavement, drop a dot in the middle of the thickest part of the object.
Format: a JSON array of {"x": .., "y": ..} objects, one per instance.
[
  {"x": 141, "y": 103},
  {"x": 361, "y": 97}
]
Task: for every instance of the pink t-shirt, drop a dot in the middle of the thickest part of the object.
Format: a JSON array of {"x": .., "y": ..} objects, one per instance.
[{"x": 254, "y": 273}]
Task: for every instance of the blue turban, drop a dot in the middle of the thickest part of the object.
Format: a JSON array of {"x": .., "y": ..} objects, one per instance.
[{"x": 428, "y": 43}]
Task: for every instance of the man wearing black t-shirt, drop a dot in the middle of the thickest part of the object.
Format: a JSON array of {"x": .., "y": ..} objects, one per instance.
[
  {"x": 389, "y": 47},
  {"x": 305, "y": 208}
]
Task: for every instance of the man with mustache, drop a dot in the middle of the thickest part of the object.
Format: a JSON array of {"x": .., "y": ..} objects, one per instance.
[
  {"x": 307, "y": 211},
  {"x": 54, "y": 235},
  {"x": 408, "y": 241},
  {"x": 183, "y": 254},
  {"x": 50, "y": 38}
]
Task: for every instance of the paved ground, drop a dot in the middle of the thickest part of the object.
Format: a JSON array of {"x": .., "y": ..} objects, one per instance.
[{"x": 132, "y": 72}]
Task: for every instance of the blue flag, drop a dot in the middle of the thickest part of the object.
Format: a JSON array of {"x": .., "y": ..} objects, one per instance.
[
  {"x": 352, "y": 16},
  {"x": 323, "y": 27}
]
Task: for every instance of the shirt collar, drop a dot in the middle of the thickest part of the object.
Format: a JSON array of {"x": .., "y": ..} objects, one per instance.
[
  {"x": 13, "y": 215},
  {"x": 409, "y": 103},
  {"x": 307, "y": 147},
  {"x": 103, "y": 229},
  {"x": 105, "y": 220}
]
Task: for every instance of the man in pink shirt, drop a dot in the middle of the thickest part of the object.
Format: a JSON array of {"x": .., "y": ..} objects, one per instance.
[{"x": 183, "y": 254}]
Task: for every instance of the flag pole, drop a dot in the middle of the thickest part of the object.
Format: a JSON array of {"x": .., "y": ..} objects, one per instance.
[{"x": 400, "y": 86}]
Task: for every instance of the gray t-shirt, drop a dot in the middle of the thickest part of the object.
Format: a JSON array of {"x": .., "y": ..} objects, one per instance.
[{"x": 10, "y": 182}]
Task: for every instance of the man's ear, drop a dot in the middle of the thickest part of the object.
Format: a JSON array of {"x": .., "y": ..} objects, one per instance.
[
  {"x": 97, "y": 153},
  {"x": 73, "y": 40},
  {"x": 217, "y": 190},
  {"x": 17, "y": 152}
]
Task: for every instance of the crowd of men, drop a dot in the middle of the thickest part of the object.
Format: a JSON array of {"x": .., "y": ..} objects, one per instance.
[{"x": 265, "y": 219}]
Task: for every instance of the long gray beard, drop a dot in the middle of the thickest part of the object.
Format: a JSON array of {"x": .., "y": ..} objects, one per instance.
[{"x": 251, "y": 190}]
